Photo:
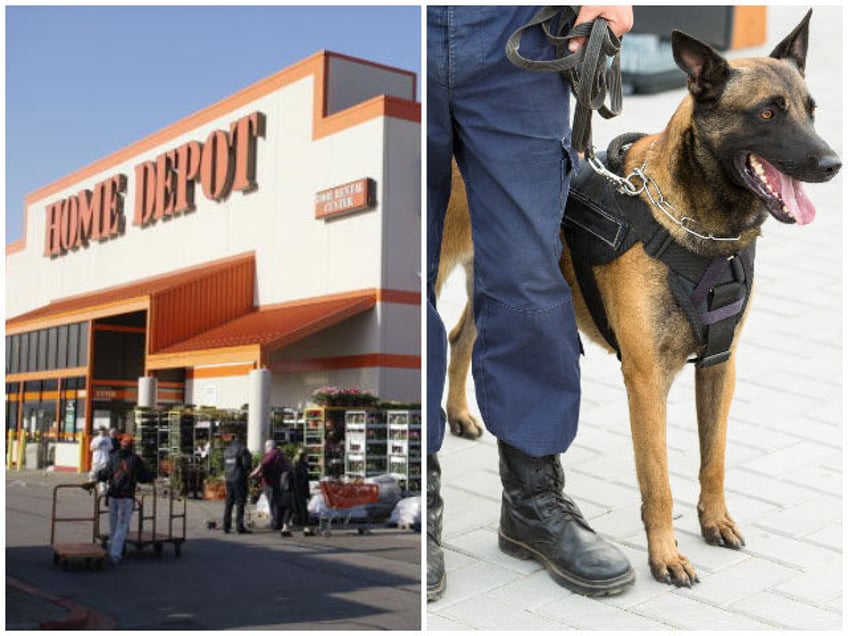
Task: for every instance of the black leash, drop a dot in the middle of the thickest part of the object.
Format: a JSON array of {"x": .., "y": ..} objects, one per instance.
[{"x": 585, "y": 70}]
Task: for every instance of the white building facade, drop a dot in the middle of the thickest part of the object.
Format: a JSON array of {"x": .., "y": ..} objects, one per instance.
[{"x": 250, "y": 253}]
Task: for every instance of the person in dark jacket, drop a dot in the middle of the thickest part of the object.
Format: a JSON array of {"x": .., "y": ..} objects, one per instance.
[
  {"x": 122, "y": 474},
  {"x": 300, "y": 489},
  {"x": 237, "y": 464}
]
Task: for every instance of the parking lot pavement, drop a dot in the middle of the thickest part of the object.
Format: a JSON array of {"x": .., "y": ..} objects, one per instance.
[
  {"x": 784, "y": 453},
  {"x": 346, "y": 581}
]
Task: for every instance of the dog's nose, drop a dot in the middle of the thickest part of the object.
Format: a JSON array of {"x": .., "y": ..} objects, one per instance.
[
  {"x": 830, "y": 165},
  {"x": 818, "y": 167}
]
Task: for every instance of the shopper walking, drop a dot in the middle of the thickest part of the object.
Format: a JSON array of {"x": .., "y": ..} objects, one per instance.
[
  {"x": 508, "y": 130},
  {"x": 300, "y": 489},
  {"x": 237, "y": 465},
  {"x": 101, "y": 448},
  {"x": 114, "y": 437},
  {"x": 124, "y": 471},
  {"x": 270, "y": 470}
]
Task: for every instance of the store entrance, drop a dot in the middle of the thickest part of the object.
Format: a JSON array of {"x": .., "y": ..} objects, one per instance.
[
  {"x": 40, "y": 425},
  {"x": 117, "y": 414}
]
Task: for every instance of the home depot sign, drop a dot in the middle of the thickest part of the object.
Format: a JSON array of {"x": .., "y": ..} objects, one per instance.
[{"x": 164, "y": 187}]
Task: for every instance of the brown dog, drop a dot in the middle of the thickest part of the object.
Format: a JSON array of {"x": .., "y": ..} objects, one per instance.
[{"x": 734, "y": 152}]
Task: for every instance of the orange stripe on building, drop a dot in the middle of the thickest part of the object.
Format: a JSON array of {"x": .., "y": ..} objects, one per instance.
[
  {"x": 106, "y": 383},
  {"x": 399, "y": 296},
  {"x": 225, "y": 371},
  {"x": 249, "y": 354},
  {"x": 72, "y": 372},
  {"x": 121, "y": 328},
  {"x": 382, "y": 360}
]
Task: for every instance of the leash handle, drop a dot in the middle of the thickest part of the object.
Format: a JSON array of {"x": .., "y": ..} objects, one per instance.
[{"x": 585, "y": 70}]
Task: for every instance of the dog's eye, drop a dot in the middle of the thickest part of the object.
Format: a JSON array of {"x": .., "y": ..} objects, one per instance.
[{"x": 767, "y": 114}]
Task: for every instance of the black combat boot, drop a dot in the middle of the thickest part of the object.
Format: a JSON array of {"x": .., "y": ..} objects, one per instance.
[
  {"x": 436, "y": 579},
  {"x": 538, "y": 521}
]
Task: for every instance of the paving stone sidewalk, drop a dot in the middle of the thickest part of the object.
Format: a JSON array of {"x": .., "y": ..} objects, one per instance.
[{"x": 784, "y": 453}]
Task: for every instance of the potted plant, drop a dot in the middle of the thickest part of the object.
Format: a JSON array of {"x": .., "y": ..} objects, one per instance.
[
  {"x": 350, "y": 396},
  {"x": 214, "y": 488}
]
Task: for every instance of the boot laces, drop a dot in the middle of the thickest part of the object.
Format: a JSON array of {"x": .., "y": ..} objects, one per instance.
[{"x": 552, "y": 473}]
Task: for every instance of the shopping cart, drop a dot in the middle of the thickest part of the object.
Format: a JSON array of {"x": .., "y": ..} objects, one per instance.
[
  {"x": 65, "y": 552},
  {"x": 341, "y": 499},
  {"x": 153, "y": 528}
]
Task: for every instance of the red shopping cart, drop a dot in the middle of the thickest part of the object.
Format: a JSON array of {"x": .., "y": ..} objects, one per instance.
[{"x": 342, "y": 499}]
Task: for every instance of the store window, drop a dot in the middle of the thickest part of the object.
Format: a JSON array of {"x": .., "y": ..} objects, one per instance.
[
  {"x": 61, "y": 347},
  {"x": 12, "y": 405},
  {"x": 72, "y": 409}
]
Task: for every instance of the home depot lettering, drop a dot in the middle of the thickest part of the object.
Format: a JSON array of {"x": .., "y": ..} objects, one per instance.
[{"x": 164, "y": 187}]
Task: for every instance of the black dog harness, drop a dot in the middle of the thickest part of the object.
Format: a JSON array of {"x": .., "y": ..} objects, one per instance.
[{"x": 601, "y": 224}]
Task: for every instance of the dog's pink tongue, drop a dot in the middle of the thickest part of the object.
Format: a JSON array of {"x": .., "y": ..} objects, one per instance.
[{"x": 791, "y": 193}]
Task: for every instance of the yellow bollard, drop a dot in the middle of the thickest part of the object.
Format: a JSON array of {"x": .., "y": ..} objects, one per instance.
[
  {"x": 82, "y": 454},
  {"x": 21, "y": 447},
  {"x": 10, "y": 449}
]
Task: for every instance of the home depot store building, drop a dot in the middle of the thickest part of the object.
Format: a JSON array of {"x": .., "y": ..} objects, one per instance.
[{"x": 248, "y": 254}]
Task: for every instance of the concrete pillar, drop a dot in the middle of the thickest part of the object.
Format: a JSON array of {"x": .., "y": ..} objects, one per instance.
[
  {"x": 147, "y": 391},
  {"x": 258, "y": 404}
]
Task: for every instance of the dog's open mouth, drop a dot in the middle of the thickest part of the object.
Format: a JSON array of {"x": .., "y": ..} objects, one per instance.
[{"x": 783, "y": 196}]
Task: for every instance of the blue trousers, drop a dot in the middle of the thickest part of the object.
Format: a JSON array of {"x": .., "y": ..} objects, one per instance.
[
  {"x": 509, "y": 131},
  {"x": 120, "y": 515}
]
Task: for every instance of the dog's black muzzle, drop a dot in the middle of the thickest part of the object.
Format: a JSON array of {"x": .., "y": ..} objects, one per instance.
[
  {"x": 815, "y": 161},
  {"x": 824, "y": 168}
]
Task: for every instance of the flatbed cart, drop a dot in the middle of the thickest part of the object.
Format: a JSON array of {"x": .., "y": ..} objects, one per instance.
[
  {"x": 150, "y": 527},
  {"x": 63, "y": 553},
  {"x": 345, "y": 496}
]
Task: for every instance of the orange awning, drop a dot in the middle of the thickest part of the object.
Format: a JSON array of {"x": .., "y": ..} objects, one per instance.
[
  {"x": 180, "y": 303},
  {"x": 265, "y": 330}
]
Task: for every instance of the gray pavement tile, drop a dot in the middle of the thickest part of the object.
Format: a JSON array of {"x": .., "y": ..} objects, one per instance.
[
  {"x": 743, "y": 579},
  {"x": 805, "y": 518},
  {"x": 819, "y": 476},
  {"x": 586, "y": 613},
  {"x": 533, "y": 591},
  {"x": 828, "y": 537},
  {"x": 621, "y": 522},
  {"x": 786, "y": 613},
  {"x": 438, "y": 623},
  {"x": 817, "y": 585},
  {"x": 483, "y": 545},
  {"x": 683, "y": 612},
  {"x": 490, "y": 614},
  {"x": 778, "y": 492},
  {"x": 471, "y": 581},
  {"x": 800, "y": 554}
]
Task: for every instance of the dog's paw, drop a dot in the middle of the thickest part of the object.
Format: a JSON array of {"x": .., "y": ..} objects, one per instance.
[
  {"x": 722, "y": 532},
  {"x": 675, "y": 570},
  {"x": 465, "y": 425}
]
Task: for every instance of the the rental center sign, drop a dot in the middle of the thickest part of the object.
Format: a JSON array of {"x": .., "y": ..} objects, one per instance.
[{"x": 164, "y": 187}]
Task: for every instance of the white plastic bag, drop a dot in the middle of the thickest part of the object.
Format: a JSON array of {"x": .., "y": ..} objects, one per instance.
[
  {"x": 407, "y": 512},
  {"x": 262, "y": 507}
]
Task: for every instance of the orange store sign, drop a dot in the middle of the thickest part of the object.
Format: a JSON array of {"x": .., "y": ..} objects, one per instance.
[
  {"x": 344, "y": 199},
  {"x": 164, "y": 187}
]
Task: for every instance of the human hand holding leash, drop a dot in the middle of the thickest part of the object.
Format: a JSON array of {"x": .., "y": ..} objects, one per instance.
[{"x": 620, "y": 18}]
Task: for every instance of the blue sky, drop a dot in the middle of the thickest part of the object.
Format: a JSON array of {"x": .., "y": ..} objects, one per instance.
[{"x": 82, "y": 82}]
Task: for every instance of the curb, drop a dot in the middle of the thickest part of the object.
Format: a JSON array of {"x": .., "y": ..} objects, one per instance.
[{"x": 78, "y": 617}]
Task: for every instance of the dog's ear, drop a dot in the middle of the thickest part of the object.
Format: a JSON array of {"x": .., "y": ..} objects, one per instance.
[
  {"x": 707, "y": 70},
  {"x": 794, "y": 46}
]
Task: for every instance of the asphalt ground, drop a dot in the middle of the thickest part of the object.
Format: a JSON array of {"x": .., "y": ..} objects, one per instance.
[
  {"x": 260, "y": 581},
  {"x": 784, "y": 453}
]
